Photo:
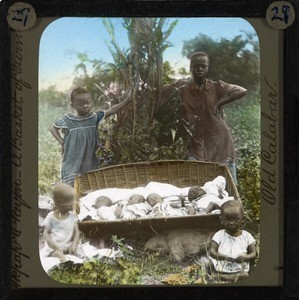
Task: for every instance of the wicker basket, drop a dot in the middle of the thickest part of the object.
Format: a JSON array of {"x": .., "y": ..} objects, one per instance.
[{"x": 180, "y": 173}]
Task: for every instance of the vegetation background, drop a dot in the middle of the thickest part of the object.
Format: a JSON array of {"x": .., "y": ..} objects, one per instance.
[{"x": 142, "y": 132}]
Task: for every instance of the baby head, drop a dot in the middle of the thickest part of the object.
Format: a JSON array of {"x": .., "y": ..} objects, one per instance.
[
  {"x": 102, "y": 201},
  {"x": 154, "y": 199},
  {"x": 63, "y": 197},
  {"x": 135, "y": 198},
  {"x": 232, "y": 216},
  {"x": 195, "y": 192}
]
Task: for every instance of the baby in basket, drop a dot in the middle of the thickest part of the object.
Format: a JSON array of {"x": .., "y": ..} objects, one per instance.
[
  {"x": 162, "y": 208},
  {"x": 210, "y": 196},
  {"x": 135, "y": 207},
  {"x": 138, "y": 206},
  {"x": 106, "y": 210}
]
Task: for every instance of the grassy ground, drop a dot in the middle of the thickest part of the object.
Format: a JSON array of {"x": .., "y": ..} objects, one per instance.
[{"x": 135, "y": 267}]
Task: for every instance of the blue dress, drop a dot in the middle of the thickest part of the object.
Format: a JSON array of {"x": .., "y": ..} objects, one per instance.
[{"x": 80, "y": 139}]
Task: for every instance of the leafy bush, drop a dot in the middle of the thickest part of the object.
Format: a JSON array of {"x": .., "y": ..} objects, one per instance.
[
  {"x": 249, "y": 183},
  {"x": 243, "y": 117},
  {"x": 104, "y": 271}
]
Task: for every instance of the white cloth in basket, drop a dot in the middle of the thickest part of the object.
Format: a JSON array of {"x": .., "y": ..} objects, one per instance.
[
  {"x": 135, "y": 211},
  {"x": 122, "y": 195},
  {"x": 168, "y": 192},
  {"x": 107, "y": 213},
  {"x": 216, "y": 187}
]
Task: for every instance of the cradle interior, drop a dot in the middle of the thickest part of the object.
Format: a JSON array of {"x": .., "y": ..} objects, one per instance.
[{"x": 180, "y": 173}]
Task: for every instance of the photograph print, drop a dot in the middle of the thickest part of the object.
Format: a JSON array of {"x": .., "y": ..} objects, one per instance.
[{"x": 149, "y": 142}]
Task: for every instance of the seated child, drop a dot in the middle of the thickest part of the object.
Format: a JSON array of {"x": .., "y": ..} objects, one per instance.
[
  {"x": 232, "y": 248},
  {"x": 61, "y": 231}
]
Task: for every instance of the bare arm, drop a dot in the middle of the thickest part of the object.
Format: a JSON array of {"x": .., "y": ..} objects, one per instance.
[
  {"x": 57, "y": 252},
  {"x": 251, "y": 254},
  {"x": 56, "y": 134},
  {"x": 49, "y": 241},
  {"x": 237, "y": 93},
  {"x": 215, "y": 254},
  {"x": 76, "y": 235},
  {"x": 115, "y": 108}
]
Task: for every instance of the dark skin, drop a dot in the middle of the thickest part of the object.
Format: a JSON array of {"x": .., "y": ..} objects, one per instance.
[
  {"x": 63, "y": 207},
  {"x": 82, "y": 104},
  {"x": 232, "y": 220},
  {"x": 199, "y": 67}
]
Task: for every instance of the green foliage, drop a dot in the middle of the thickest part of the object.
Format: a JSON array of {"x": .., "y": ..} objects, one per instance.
[
  {"x": 146, "y": 143},
  {"x": 98, "y": 271},
  {"x": 120, "y": 244},
  {"x": 243, "y": 119},
  {"x": 125, "y": 270},
  {"x": 104, "y": 153},
  {"x": 168, "y": 73},
  {"x": 97, "y": 83},
  {"x": 249, "y": 182},
  {"x": 49, "y": 154},
  {"x": 53, "y": 98},
  {"x": 137, "y": 134}
]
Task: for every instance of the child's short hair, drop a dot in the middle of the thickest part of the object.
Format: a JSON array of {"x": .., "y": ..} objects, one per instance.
[
  {"x": 153, "y": 199},
  {"x": 200, "y": 54},
  {"x": 195, "y": 192},
  {"x": 102, "y": 201},
  {"x": 232, "y": 204},
  {"x": 135, "y": 198},
  {"x": 78, "y": 91},
  {"x": 63, "y": 192}
]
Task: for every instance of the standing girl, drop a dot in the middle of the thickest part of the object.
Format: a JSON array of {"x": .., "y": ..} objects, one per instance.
[{"x": 80, "y": 132}]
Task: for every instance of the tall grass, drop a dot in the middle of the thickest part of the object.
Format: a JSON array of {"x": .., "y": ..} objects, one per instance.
[{"x": 49, "y": 150}]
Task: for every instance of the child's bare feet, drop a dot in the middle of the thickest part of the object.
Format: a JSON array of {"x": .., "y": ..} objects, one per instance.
[{"x": 234, "y": 277}]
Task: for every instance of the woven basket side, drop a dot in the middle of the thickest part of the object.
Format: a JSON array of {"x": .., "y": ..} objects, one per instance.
[{"x": 176, "y": 172}]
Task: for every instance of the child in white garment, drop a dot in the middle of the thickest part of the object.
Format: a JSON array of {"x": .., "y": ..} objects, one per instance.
[
  {"x": 166, "y": 209},
  {"x": 135, "y": 208},
  {"x": 61, "y": 231},
  {"x": 232, "y": 248},
  {"x": 106, "y": 210},
  {"x": 210, "y": 196}
]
